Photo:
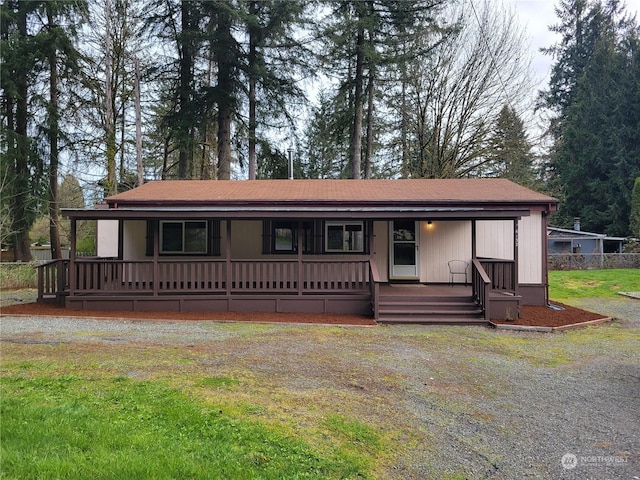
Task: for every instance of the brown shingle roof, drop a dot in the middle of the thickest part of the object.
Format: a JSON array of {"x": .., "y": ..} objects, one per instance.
[{"x": 207, "y": 192}]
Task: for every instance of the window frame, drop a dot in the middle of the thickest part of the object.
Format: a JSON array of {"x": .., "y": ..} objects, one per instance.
[
  {"x": 269, "y": 237},
  {"x": 344, "y": 224},
  {"x": 183, "y": 223}
]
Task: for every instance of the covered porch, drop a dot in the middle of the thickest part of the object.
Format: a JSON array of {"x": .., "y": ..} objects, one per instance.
[{"x": 310, "y": 286}]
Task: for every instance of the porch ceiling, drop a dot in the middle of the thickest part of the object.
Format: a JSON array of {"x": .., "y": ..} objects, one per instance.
[{"x": 361, "y": 213}]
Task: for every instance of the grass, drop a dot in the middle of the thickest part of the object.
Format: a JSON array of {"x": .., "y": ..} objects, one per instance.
[
  {"x": 17, "y": 275},
  {"x": 565, "y": 285},
  {"x": 115, "y": 409},
  {"x": 99, "y": 428}
]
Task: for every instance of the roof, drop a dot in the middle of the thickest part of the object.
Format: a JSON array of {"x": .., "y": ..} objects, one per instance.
[
  {"x": 336, "y": 199},
  {"x": 567, "y": 234},
  {"x": 422, "y": 191}
]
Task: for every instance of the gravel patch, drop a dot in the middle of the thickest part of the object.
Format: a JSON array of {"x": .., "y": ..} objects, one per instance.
[{"x": 464, "y": 402}]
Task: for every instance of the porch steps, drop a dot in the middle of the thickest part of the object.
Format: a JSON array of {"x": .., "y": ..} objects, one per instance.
[{"x": 422, "y": 309}]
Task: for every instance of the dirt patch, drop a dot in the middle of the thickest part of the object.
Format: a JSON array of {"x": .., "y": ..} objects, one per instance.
[
  {"x": 539, "y": 316},
  {"x": 39, "y": 309},
  {"x": 542, "y": 316}
]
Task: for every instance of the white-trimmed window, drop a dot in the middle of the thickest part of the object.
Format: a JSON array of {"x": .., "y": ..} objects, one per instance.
[
  {"x": 344, "y": 237},
  {"x": 183, "y": 237}
]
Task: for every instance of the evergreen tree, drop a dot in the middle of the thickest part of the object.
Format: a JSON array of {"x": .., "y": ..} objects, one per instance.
[
  {"x": 364, "y": 45},
  {"x": 510, "y": 153},
  {"x": 634, "y": 217},
  {"x": 596, "y": 155}
]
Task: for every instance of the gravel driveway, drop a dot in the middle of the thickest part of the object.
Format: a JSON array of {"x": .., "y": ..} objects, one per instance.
[{"x": 461, "y": 402}]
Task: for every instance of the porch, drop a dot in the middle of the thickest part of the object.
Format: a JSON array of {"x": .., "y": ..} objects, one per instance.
[{"x": 310, "y": 286}]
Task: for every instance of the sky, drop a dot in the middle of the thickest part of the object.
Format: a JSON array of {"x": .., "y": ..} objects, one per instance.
[{"x": 536, "y": 16}]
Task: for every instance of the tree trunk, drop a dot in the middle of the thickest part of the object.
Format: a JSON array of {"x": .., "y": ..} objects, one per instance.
[
  {"x": 20, "y": 198},
  {"x": 369, "y": 145},
  {"x": 54, "y": 115},
  {"x": 110, "y": 187},
  {"x": 225, "y": 93},
  {"x": 356, "y": 132},
  {"x": 252, "y": 60},
  {"x": 139, "y": 165},
  {"x": 185, "y": 154}
]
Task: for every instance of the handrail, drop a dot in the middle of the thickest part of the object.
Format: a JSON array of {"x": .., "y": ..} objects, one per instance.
[
  {"x": 374, "y": 282},
  {"x": 481, "y": 285},
  {"x": 53, "y": 279}
]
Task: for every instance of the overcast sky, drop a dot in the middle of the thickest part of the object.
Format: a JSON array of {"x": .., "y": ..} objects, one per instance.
[{"x": 536, "y": 16}]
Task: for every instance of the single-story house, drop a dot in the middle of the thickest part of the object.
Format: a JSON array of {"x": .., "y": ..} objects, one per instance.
[
  {"x": 563, "y": 241},
  {"x": 459, "y": 250}
]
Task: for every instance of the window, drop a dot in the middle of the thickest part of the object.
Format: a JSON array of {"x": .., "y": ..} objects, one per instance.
[
  {"x": 344, "y": 237},
  {"x": 183, "y": 237},
  {"x": 282, "y": 237}
]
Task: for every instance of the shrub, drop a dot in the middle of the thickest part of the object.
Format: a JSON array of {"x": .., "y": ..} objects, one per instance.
[{"x": 17, "y": 275}]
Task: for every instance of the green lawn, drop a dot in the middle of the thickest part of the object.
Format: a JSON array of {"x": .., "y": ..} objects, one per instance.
[
  {"x": 70, "y": 427},
  {"x": 565, "y": 285}
]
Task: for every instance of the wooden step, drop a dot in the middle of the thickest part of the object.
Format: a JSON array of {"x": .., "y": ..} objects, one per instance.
[{"x": 418, "y": 320}]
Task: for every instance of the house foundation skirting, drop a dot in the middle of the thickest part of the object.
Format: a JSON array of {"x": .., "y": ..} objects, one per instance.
[
  {"x": 533, "y": 294},
  {"x": 336, "y": 304}
]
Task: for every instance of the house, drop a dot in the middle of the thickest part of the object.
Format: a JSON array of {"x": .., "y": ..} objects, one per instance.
[
  {"x": 563, "y": 241},
  {"x": 372, "y": 247}
]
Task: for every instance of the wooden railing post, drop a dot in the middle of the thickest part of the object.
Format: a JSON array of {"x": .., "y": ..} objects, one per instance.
[
  {"x": 481, "y": 287},
  {"x": 40, "y": 273},
  {"x": 374, "y": 283}
]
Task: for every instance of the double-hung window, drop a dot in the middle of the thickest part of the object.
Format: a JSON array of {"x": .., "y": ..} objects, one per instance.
[
  {"x": 183, "y": 237},
  {"x": 344, "y": 237}
]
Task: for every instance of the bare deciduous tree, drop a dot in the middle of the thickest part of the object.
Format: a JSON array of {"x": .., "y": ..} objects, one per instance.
[{"x": 456, "y": 91}]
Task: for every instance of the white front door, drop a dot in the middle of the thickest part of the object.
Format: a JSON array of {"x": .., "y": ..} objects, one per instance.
[{"x": 403, "y": 250}]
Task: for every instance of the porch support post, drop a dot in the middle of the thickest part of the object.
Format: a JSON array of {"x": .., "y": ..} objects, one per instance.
[
  {"x": 300, "y": 247},
  {"x": 156, "y": 256},
  {"x": 120, "y": 239},
  {"x": 515, "y": 255},
  {"x": 228, "y": 259},
  {"x": 72, "y": 257},
  {"x": 473, "y": 239},
  {"x": 474, "y": 285}
]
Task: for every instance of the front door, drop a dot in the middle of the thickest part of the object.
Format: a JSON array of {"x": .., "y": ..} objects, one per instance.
[{"x": 403, "y": 250}]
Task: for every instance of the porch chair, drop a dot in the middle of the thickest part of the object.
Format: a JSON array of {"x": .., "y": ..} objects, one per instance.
[{"x": 458, "y": 267}]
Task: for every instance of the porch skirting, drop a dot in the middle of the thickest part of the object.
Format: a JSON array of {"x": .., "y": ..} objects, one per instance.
[{"x": 352, "y": 304}]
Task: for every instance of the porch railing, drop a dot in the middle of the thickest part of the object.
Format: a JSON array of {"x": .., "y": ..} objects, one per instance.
[
  {"x": 103, "y": 275},
  {"x": 501, "y": 272},
  {"x": 491, "y": 275},
  {"x": 53, "y": 280}
]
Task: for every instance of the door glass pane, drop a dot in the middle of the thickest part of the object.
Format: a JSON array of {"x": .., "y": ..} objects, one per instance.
[
  {"x": 404, "y": 254},
  {"x": 404, "y": 231}
]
